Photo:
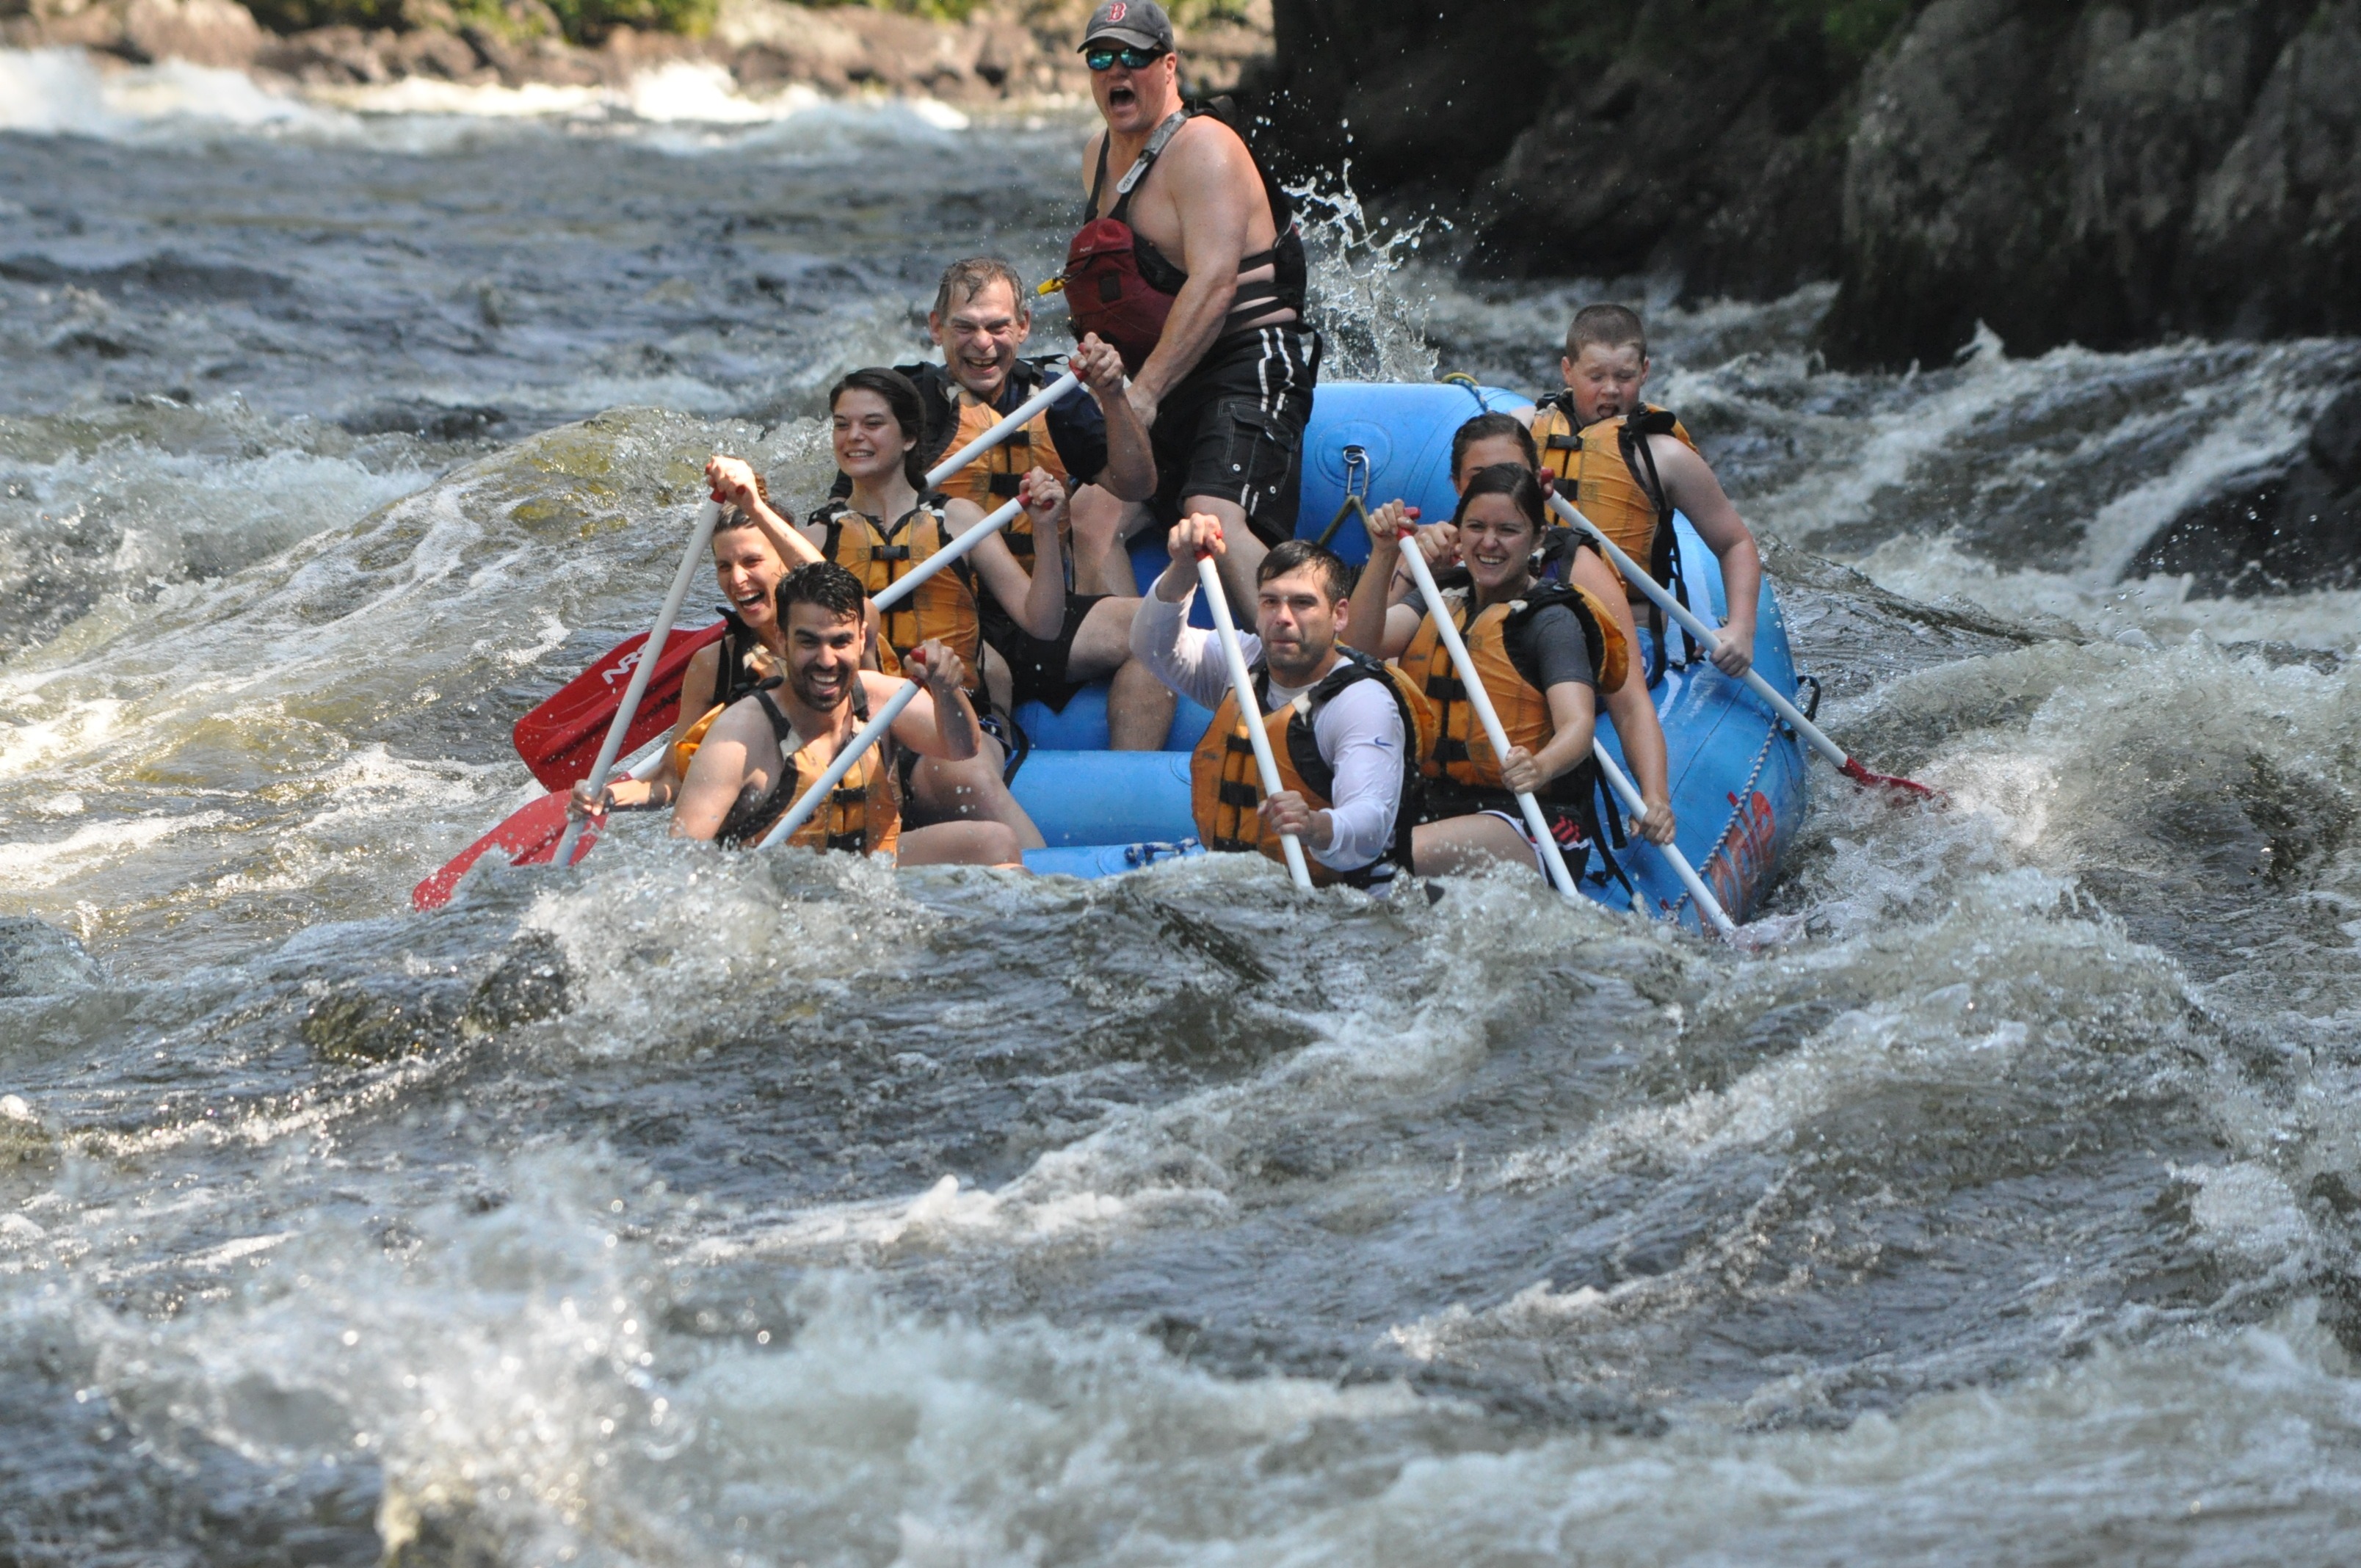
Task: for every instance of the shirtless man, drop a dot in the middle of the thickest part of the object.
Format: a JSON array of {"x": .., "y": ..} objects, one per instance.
[
  {"x": 1199, "y": 282},
  {"x": 1630, "y": 465},
  {"x": 762, "y": 753},
  {"x": 1090, "y": 439}
]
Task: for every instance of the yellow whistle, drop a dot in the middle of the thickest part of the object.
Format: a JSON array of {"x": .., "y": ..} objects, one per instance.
[{"x": 1053, "y": 286}]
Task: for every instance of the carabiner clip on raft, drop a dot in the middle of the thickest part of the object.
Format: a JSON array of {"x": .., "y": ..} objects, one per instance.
[{"x": 1357, "y": 493}]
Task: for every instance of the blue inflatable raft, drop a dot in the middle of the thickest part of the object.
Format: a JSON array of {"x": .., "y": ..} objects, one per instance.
[{"x": 1737, "y": 772}]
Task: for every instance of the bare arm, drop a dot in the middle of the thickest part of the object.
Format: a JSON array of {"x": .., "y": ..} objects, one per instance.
[
  {"x": 733, "y": 481},
  {"x": 735, "y": 754},
  {"x": 1373, "y": 624},
  {"x": 1007, "y": 581},
  {"x": 939, "y": 721},
  {"x": 1690, "y": 484},
  {"x": 1130, "y": 472},
  {"x": 1213, "y": 183},
  {"x": 1573, "y": 712}
]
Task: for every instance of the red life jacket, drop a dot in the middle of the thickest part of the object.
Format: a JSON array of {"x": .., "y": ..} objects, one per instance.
[{"x": 1118, "y": 285}]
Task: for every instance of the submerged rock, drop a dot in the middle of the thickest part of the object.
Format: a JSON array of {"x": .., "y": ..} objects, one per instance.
[
  {"x": 2296, "y": 530},
  {"x": 38, "y": 959}
]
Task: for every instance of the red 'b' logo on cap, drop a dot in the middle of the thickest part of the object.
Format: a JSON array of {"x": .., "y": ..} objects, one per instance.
[{"x": 1115, "y": 11}]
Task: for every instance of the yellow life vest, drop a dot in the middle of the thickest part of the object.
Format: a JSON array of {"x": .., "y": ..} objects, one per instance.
[
  {"x": 1607, "y": 470},
  {"x": 944, "y": 607},
  {"x": 992, "y": 480},
  {"x": 1462, "y": 754},
  {"x": 1225, "y": 786},
  {"x": 862, "y": 814}
]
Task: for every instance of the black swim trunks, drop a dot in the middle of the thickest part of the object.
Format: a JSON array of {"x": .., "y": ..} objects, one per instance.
[
  {"x": 1036, "y": 669},
  {"x": 1232, "y": 429}
]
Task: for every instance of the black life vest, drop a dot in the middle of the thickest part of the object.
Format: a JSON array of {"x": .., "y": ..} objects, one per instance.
[{"x": 1119, "y": 285}]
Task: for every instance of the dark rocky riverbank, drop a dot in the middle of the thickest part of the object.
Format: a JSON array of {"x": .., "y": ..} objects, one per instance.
[{"x": 2099, "y": 173}]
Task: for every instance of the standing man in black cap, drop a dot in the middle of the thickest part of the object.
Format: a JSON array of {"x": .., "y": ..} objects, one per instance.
[{"x": 1189, "y": 263}]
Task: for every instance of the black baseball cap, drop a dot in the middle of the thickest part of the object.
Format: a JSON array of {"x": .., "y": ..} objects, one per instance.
[{"x": 1142, "y": 24}]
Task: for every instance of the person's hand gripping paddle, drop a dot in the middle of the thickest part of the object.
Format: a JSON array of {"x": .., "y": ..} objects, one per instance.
[
  {"x": 540, "y": 832},
  {"x": 1250, "y": 714},
  {"x": 1708, "y": 639}
]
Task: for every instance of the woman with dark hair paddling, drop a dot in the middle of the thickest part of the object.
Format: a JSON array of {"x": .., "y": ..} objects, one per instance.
[
  {"x": 1543, "y": 650},
  {"x": 887, "y": 528}
]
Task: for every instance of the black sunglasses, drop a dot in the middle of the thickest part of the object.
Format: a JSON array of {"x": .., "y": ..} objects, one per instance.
[{"x": 1133, "y": 59}]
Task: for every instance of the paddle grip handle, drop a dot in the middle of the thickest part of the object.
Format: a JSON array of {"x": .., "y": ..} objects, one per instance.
[
  {"x": 1480, "y": 700},
  {"x": 1249, "y": 711}
]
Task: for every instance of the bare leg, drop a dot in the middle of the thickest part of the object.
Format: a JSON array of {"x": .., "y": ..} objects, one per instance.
[
  {"x": 1102, "y": 524},
  {"x": 1139, "y": 708},
  {"x": 1466, "y": 844},
  {"x": 960, "y": 844},
  {"x": 1242, "y": 552},
  {"x": 971, "y": 792}
]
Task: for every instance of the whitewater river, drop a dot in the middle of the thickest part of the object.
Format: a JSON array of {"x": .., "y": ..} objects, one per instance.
[{"x": 1994, "y": 1204}]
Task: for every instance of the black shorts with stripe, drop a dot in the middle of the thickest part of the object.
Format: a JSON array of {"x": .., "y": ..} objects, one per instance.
[
  {"x": 1232, "y": 429},
  {"x": 1036, "y": 667}
]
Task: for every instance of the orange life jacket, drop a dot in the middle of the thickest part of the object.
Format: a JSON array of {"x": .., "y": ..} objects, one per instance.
[
  {"x": 990, "y": 480},
  {"x": 862, "y": 814},
  {"x": 1608, "y": 470},
  {"x": 944, "y": 607},
  {"x": 1225, "y": 786},
  {"x": 1462, "y": 754}
]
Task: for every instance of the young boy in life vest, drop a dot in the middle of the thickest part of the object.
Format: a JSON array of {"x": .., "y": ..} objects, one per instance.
[
  {"x": 1344, "y": 730},
  {"x": 1628, "y": 467}
]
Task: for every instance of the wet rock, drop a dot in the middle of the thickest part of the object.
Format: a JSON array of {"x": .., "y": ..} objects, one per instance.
[
  {"x": 218, "y": 33},
  {"x": 432, "y": 420},
  {"x": 2295, "y": 530},
  {"x": 358, "y": 1023},
  {"x": 533, "y": 982},
  {"x": 2103, "y": 175},
  {"x": 38, "y": 959}
]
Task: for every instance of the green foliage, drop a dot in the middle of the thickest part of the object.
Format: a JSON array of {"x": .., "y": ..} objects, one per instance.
[{"x": 588, "y": 21}]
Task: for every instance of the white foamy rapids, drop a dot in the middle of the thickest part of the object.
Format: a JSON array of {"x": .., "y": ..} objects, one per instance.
[
  {"x": 534, "y": 1384},
  {"x": 283, "y": 679},
  {"x": 683, "y": 107}
]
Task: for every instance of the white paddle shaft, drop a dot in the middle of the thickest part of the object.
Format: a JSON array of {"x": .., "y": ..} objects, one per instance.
[
  {"x": 900, "y": 588},
  {"x": 1250, "y": 714},
  {"x": 833, "y": 775},
  {"x": 1629, "y": 794},
  {"x": 1707, "y": 636},
  {"x": 1037, "y": 403},
  {"x": 700, "y": 537},
  {"x": 1481, "y": 701}
]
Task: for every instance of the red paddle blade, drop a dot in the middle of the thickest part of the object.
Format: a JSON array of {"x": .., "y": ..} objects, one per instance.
[
  {"x": 1867, "y": 780},
  {"x": 528, "y": 838},
  {"x": 559, "y": 739}
]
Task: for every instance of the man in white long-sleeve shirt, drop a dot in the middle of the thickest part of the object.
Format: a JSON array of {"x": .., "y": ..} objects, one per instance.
[{"x": 1343, "y": 729}]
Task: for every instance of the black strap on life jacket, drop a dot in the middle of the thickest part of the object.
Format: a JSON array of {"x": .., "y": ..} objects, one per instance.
[
  {"x": 1320, "y": 776},
  {"x": 1290, "y": 272},
  {"x": 732, "y": 677},
  {"x": 1665, "y": 542}
]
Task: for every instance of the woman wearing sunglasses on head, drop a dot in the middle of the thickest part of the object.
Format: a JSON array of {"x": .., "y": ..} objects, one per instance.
[{"x": 1188, "y": 262}]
